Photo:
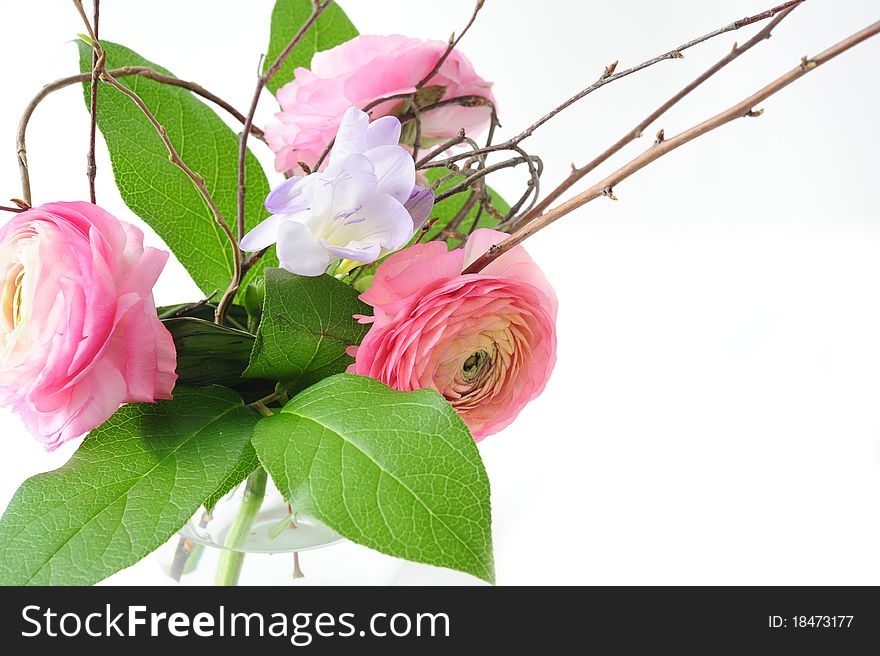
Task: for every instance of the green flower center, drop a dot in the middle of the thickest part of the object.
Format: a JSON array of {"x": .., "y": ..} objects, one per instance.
[{"x": 472, "y": 367}]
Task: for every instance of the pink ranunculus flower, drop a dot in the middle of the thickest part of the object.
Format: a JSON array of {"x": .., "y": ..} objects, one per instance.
[
  {"x": 486, "y": 341},
  {"x": 360, "y": 71},
  {"x": 79, "y": 333}
]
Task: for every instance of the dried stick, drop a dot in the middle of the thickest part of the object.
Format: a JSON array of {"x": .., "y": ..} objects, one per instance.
[
  {"x": 91, "y": 166},
  {"x": 197, "y": 180},
  {"x": 461, "y": 137},
  {"x": 609, "y": 76},
  {"x": 578, "y": 173},
  {"x": 262, "y": 81},
  {"x": 453, "y": 43},
  {"x": 318, "y": 8},
  {"x": 125, "y": 71},
  {"x": 465, "y": 184},
  {"x": 744, "y": 108}
]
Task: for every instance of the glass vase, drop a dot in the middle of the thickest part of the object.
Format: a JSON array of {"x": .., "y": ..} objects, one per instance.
[{"x": 248, "y": 524}]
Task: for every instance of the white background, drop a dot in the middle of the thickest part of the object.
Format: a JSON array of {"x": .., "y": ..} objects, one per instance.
[{"x": 714, "y": 415}]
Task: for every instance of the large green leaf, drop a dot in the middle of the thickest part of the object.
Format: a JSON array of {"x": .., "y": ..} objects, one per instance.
[
  {"x": 307, "y": 324},
  {"x": 331, "y": 29},
  {"x": 243, "y": 468},
  {"x": 159, "y": 192},
  {"x": 131, "y": 485},
  {"x": 395, "y": 471},
  {"x": 208, "y": 353}
]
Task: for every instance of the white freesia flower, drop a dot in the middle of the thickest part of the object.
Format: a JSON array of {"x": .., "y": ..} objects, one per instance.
[{"x": 363, "y": 205}]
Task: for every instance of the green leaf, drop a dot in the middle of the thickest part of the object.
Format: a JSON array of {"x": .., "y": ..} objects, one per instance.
[
  {"x": 446, "y": 210},
  {"x": 331, "y": 29},
  {"x": 155, "y": 189},
  {"x": 307, "y": 324},
  {"x": 131, "y": 485},
  {"x": 395, "y": 471},
  {"x": 243, "y": 468},
  {"x": 208, "y": 354}
]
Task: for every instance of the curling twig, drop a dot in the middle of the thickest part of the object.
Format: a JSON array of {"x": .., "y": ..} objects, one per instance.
[{"x": 125, "y": 71}]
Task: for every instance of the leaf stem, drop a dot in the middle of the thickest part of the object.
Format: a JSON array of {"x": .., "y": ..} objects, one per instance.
[{"x": 232, "y": 558}]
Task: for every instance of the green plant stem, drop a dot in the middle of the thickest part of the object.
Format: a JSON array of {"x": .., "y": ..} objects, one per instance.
[{"x": 232, "y": 559}]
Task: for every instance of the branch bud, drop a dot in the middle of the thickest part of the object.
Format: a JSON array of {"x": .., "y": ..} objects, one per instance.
[{"x": 609, "y": 70}]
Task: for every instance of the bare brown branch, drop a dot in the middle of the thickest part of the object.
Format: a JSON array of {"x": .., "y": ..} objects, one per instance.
[
  {"x": 262, "y": 81},
  {"x": 318, "y": 8},
  {"x": 604, "y": 79},
  {"x": 578, "y": 173},
  {"x": 91, "y": 165},
  {"x": 453, "y": 43},
  {"x": 657, "y": 150}
]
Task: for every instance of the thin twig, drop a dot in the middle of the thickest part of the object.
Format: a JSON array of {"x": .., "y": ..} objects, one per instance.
[
  {"x": 453, "y": 43},
  {"x": 16, "y": 210},
  {"x": 463, "y": 211},
  {"x": 417, "y": 140},
  {"x": 442, "y": 148},
  {"x": 578, "y": 173},
  {"x": 186, "y": 309},
  {"x": 125, "y": 71},
  {"x": 197, "y": 180},
  {"x": 318, "y": 7},
  {"x": 85, "y": 19},
  {"x": 465, "y": 184},
  {"x": 91, "y": 165},
  {"x": 744, "y": 108},
  {"x": 608, "y": 76}
]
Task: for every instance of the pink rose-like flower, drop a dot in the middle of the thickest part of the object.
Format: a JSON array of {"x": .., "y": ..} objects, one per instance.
[
  {"x": 486, "y": 341},
  {"x": 79, "y": 333},
  {"x": 360, "y": 71}
]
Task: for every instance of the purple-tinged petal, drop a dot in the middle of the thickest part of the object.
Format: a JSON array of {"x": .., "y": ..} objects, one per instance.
[
  {"x": 354, "y": 251},
  {"x": 419, "y": 205},
  {"x": 386, "y": 222},
  {"x": 395, "y": 171},
  {"x": 289, "y": 196},
  {"x": 343, "y": 186},
  {"x": 383, "y": 131},
  {"x": 351, "y": 138}
]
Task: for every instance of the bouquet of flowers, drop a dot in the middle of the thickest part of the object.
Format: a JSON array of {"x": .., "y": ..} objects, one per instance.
[{"x": 367, "y": 318}]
